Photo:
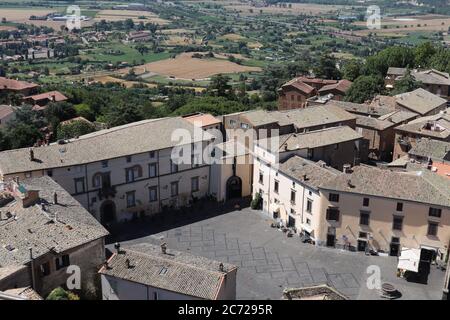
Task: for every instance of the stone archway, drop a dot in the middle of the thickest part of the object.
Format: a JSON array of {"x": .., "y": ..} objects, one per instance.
[
  {"x": 107, "y": 212},
  {"x": 234, "y": 187}
]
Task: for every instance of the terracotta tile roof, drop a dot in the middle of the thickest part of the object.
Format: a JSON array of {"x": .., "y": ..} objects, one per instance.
[
  {"x": 299, "y": 85},
  {"x": 361, "y": 108},
  {"x": 100, "y": 145},
  {"x": 432, "y": 76},
  {"x": 420, "y": 101},
  {"x": 203, "y": 119},
  {"x": 52, "y": 96},
  {"x": 396, "y": 71},
  {"x": 75, "y": 119},
  {"x": 386, "y": 121},
  {"x": 420, "y": 186},
  {"x": 36, "y": 228},
  {"x": 27, "y": 293},
  {"x": 174, "y": 271},
  {"x": 438, "y": 150},
  {"x": 315, "y": 173},
  {"x": 317, "y": 80},
  {"x": 342, "y": 86},
  {"x": 437, "y": 126},
  {"x": 301, "y": 118},
  {"x": 5, "y": 111},
  {"x": 15, "y": 85},
  {"x": 310, "y": 140}
]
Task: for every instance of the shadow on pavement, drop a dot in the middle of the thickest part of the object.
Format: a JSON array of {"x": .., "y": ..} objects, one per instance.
[{"x": 171, "y": 219}]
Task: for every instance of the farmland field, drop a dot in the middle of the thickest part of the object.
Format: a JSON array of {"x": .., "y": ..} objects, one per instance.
[
  {"x": 184, "y": 66},
  {"x": 405, "y": 24},
  {"x": 297, "y": 8},
  {"x": 22, "y": 15},
  {"x": 125, "y": 83},
  {"x": 136, "y": 16}
]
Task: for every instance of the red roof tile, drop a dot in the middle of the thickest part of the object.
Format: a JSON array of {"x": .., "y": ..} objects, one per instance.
[
  {"x": 12, "y": 84},
  {"x": 52, "y": 95}
]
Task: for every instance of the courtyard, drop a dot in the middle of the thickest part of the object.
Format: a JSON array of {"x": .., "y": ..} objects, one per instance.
[{"x": 268, "y": 261}]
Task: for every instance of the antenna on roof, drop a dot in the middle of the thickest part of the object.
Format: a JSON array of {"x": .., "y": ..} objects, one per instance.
[{"x": 164, "y": 248}]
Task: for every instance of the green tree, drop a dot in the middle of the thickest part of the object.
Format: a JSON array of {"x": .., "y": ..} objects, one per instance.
[
  {"x": 406, "y": 84},
  {"x": 57, "y": 112},
  {"x": 61, "y": 294},
  {"x": 142, "y": 49},
  {"x": 351, "y": 70},
  {"x": 84, "y": 110},
  {"x": 208, "y": 104},
  {"x": 364, "y": 88},
  {"x": 327, "y": 68},
  {"x": 23, "y": 135},
  {"x": 400, "y": 57},
  {"x": 5, "y": 144},
  {"x": 74, "y": 129},
  {"x": 123, "y": 114},
  {"x": 441, "y": 60},
  {"x": 423, "y": 54},
  {"x": 219, "y": 85}
]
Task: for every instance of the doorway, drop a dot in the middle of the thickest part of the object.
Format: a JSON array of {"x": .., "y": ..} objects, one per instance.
[
  {"x": 394, "y": 249},
  {"x": 234, "y": 188},
  {"x": 331, "y": 239},
  {"x": 291, "y": 222},
  {"x": 108, "y": 212},
  {"x": 362, "y": 245}
]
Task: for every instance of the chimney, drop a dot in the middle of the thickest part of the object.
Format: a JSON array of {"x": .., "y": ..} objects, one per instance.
[
  {"x": 347, "y": 168},
  {"x": 55, "y": 217},
  {"x": 128, "y": 263},
  {"x": 305, "y": 177},
  {"x": 117, "y": 247},
  {"x": 164, "y": 248},
  {"x": 28, "y": 198},
  {"x": 350, "y": 184},
  {"x": 55, "y": 198},
  {"x": 32, "y": 154},
  {"x": 221, "y": 268}
]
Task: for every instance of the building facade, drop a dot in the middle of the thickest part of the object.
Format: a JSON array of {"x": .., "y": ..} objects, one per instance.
[
  {"x": 152, "y": 273},
  {"x": 47, "y": 237},
  {"x": 115, "y": 174}
]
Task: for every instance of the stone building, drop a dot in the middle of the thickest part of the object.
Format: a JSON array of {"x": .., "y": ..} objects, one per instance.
[
  {"x": 125, "y": 172},
  {"x": 44, "y": 231},
  {"x": 149, "y": 272}
]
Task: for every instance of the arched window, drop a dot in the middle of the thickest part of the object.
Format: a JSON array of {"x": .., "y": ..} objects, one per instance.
[{"x": 97, "y": 180}]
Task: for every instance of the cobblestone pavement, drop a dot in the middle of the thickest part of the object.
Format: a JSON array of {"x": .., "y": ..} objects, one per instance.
[{"x": 268, "y": 261}]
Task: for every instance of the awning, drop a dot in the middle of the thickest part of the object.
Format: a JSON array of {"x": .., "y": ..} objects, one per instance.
[
  {"x": 429, "y": 248},
  {"x": 409, "y": 259},
  {"x": 307, "y": 228}
]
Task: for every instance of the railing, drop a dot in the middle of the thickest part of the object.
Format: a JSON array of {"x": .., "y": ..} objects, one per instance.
[{"x": 107, "y": 192}]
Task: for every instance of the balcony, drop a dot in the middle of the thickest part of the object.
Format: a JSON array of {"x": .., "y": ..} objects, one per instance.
[{"x": 106, "y": 192}]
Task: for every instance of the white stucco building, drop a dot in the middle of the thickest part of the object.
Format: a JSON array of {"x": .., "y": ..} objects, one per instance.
[{"x": 148, "y": 272}]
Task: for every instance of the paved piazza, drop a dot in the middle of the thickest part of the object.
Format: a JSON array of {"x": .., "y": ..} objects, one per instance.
[{"x": 269, "y": 261}]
